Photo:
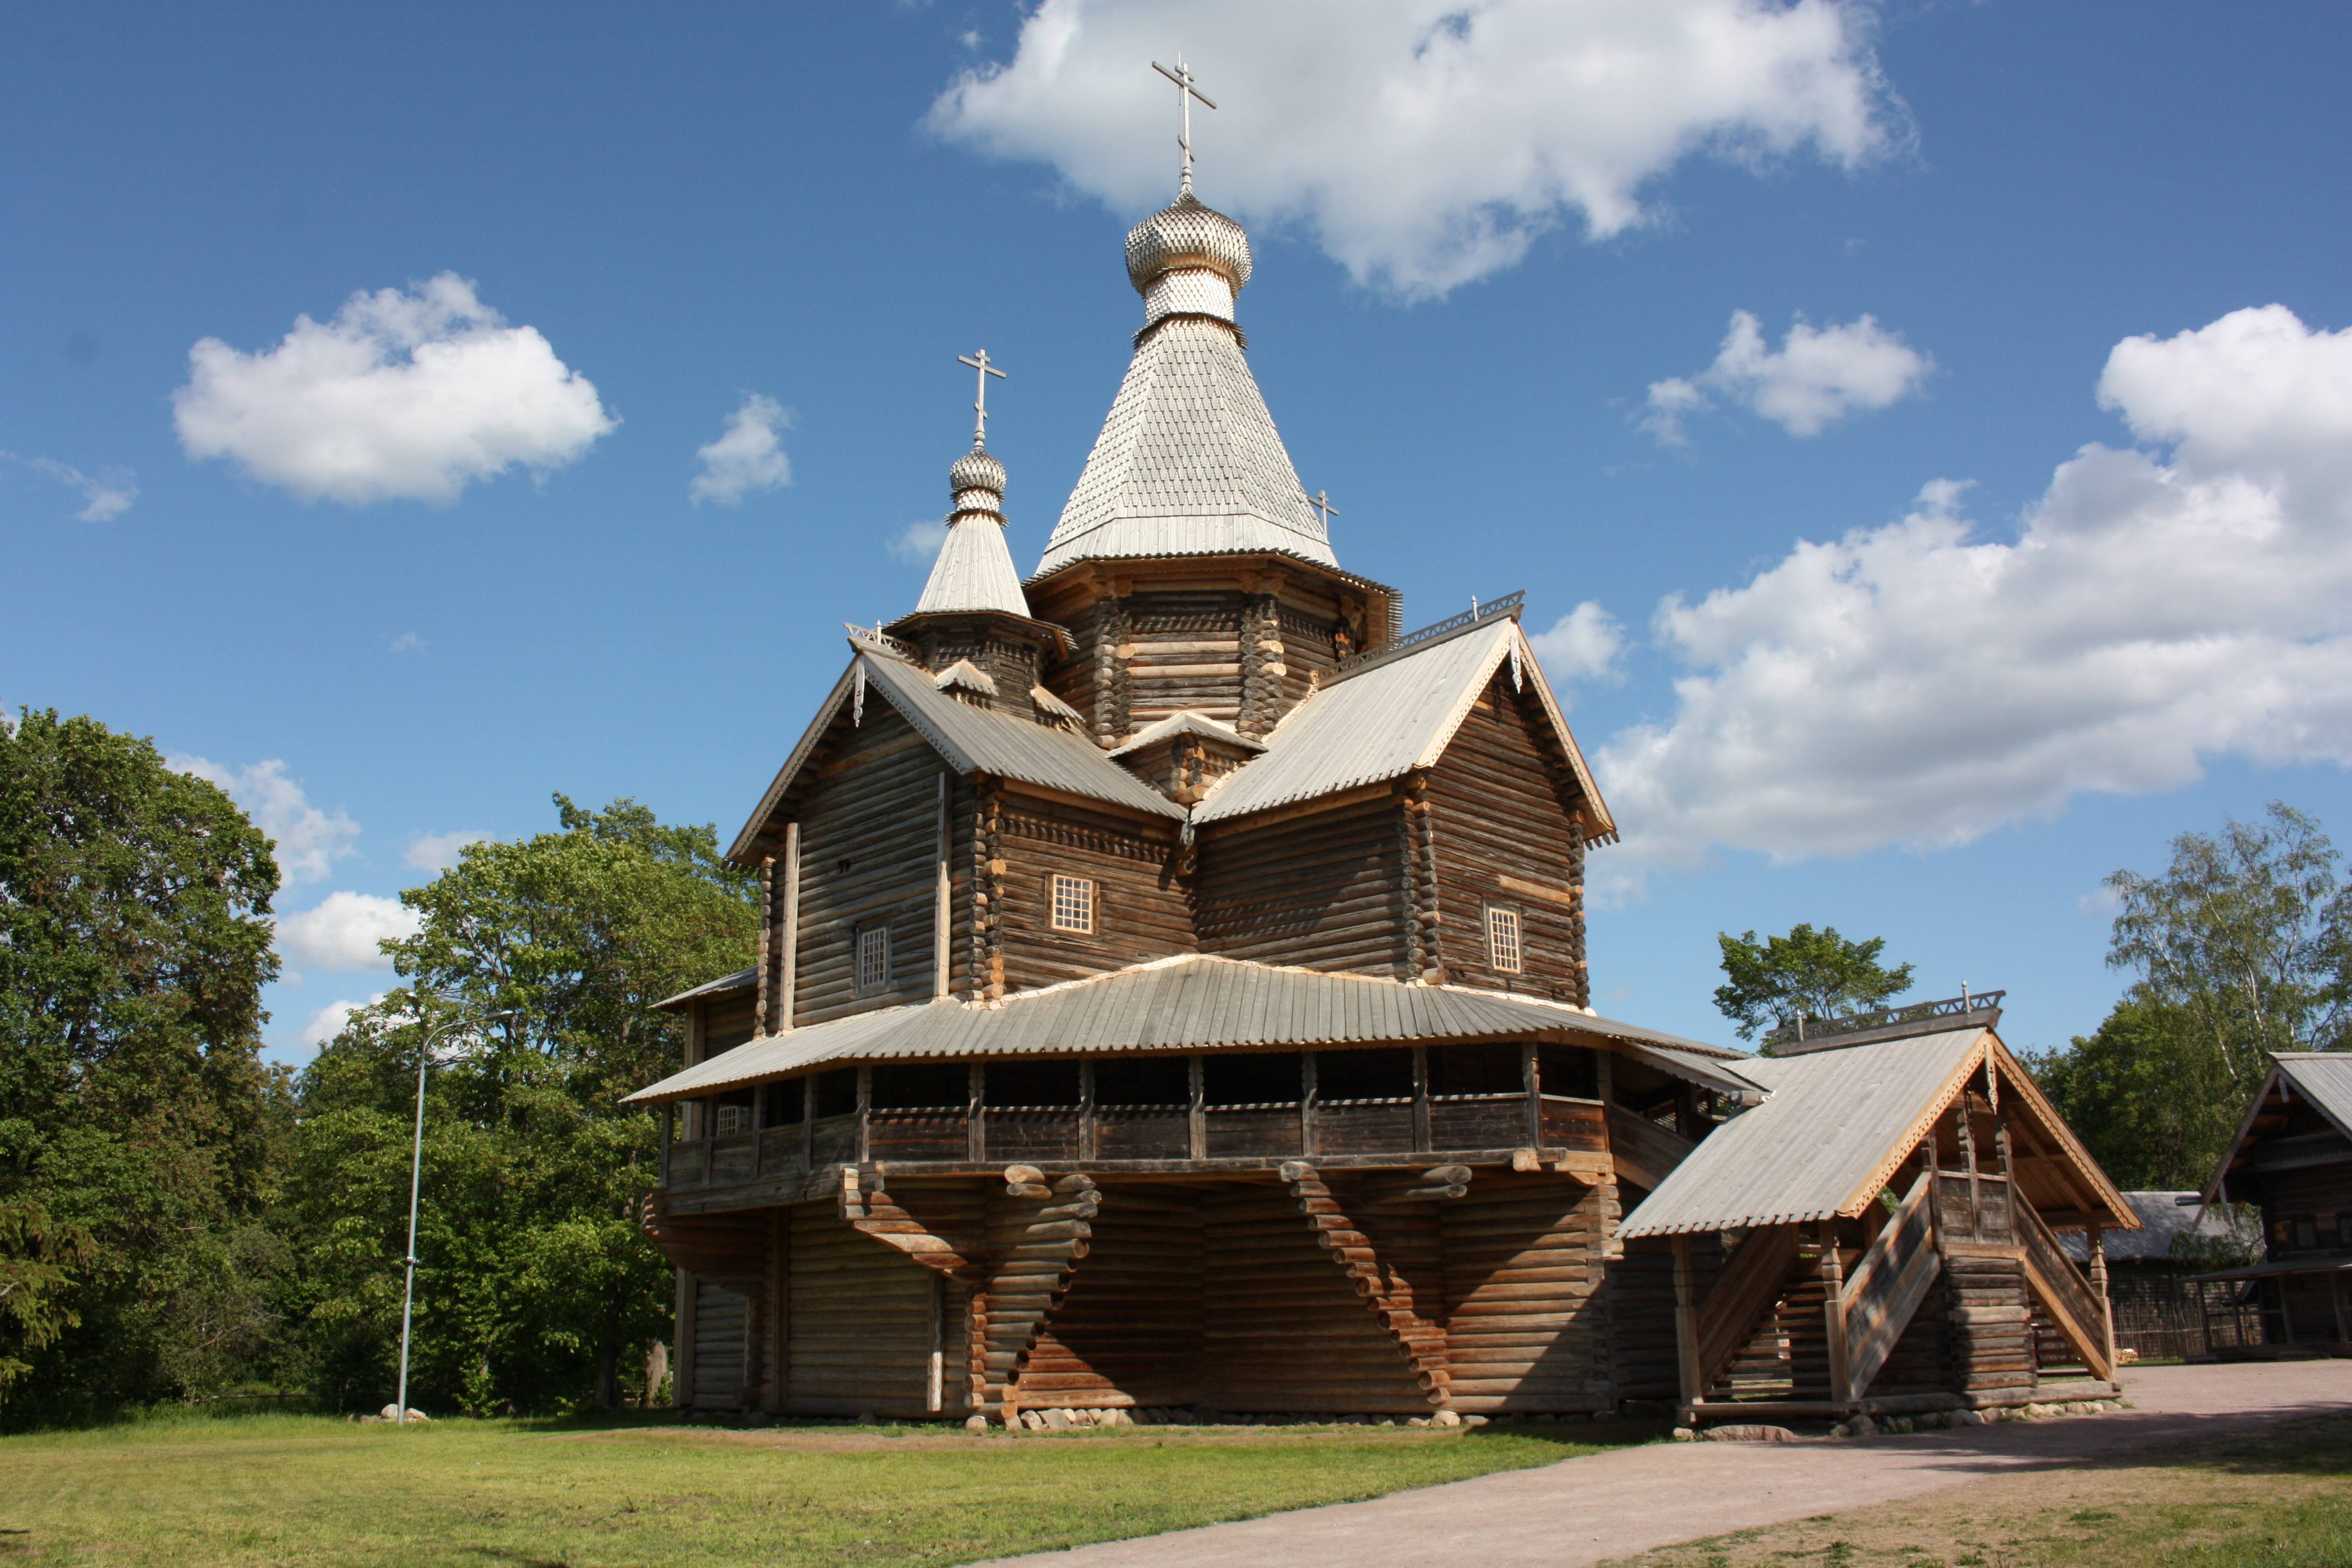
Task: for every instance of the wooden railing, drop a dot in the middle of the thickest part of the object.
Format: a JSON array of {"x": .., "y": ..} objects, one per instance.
[
  {"x": 1645, "y": 1151},
  {"x": 2063, "y": 1293},
  {"x": 1888, "y": 1286}
]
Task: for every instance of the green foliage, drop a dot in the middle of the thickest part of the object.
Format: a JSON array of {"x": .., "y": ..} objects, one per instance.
[
  {"x": 1816, "y": 973},
  {"x": 2245, "y": 940},
  {"x": 2153, "y": 1110},
  {"x": 535, "y": 1280},
  {"x": 138, "y": 1127},
  {"x": 2241, "y": 947}
]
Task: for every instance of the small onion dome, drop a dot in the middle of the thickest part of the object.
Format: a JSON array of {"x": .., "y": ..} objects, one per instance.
[
  {"x": 1187, "y": 234},
  {"x": 976, "y": 481}
]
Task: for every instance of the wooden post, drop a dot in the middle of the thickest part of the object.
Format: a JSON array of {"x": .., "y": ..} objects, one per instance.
[
  {"x": 1085, "y": 1108},
  {"x": 808, "y": 1123},
  {"x": 694, "y": 1055},
  {"x": 2099, "y": 1249},
  {"x": 788, "y": 933},
  {"x": 1534, "y": 1087},
  {"x": 1685, "y": 1324},
  {"x": 942, "y": 908},
  {"x": 1198, "y": 1145},
  {"x": 865, "y": 1112},
  {"x": 1306, "y": 1102},
  {"x": 935, "y": 1393},
  {"x": 1965, "y": 1111},
  {"x": 975, "y": 1123},
  {"x": 1421, "y": 1099},
  {"x": 1833, "y": 1315}
]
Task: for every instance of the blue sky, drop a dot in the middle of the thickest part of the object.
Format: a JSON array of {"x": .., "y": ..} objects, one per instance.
[{"x": 1942, "y": 686}]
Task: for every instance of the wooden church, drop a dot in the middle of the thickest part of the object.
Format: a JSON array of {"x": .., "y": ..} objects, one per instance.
[{"x": 1172, "y": 994}]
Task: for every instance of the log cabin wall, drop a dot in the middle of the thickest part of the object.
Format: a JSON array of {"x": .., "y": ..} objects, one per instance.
[
  {"x": 718, "y": 1347},
  {"x": 1527, "y": 1316},
  {"x": 863, "y": 1323},
  {"x": 1140, "y": 911},
  {"x": 1310, "y": 650},
  {"x": 1285, "y": 1330},
  {"x": 1130, "y": 1331},
  {"x": 1011, "y": 665},
  {"x": 870, "y": 855},
  {"x": 726, "y": 1023},
  {"x": 1503, "y": 806},
  {"x": 1989, "y": 1329},
  {"x": 1327, "y": 889},
  {"x": 1184, "y": 650}
]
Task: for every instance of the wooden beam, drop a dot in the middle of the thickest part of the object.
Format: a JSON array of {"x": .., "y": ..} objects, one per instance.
[
  {"x": 942, "y": 909},
  {"x": 1685, "y": 1324},
  {"x": 788, "y": 932}
]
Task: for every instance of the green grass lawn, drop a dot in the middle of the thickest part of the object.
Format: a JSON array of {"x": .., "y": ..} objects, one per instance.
[{"x": 277, "y": 1489}]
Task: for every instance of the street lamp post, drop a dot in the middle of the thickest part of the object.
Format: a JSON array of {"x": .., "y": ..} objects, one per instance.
[{"x": 415, "y": 1185}]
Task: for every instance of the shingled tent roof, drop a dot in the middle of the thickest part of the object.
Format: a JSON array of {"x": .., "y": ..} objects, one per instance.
[
  {"x": 1836, "y": 1125},
  {"x": 1196, "y": 1002}
]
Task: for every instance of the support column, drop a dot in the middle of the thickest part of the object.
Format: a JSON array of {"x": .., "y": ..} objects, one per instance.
[
  {"x": 1685, "y": 1324},
  {"x": 2098, "y": 1250},
  {"x": 788, "y": 935},
  {"x": 943, "y": 908},
  {"x": 1833, "y": 1315}
]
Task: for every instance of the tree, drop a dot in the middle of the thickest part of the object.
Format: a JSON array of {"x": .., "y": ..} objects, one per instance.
[
  {"x": 535, "y": 1276},
  {"x": 1818, "y": 974},
  {"x": 2152, "y": 1109},
  {"x": 138, "y": 1127},
  {"x": 2243, "y": 942}
]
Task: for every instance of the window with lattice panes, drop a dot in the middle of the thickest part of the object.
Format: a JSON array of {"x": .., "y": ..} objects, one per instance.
[
  {"x": 1073, "y": 903},
  {"x": 873, "y": 960},
  {"x": 1502, "y": 950}
]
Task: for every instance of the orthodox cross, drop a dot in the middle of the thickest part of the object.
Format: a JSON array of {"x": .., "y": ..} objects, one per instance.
[
  {"x": 1322, "y": 501},
  {"x": 980, "y": 406},
  {"x": 1185, "y": 94}
]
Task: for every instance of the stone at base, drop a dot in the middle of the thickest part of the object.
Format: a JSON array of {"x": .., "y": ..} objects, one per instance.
[
  {"x": 975, "y": 1424},
  {"x": 1685, "y": 1435},
  {"x": 1445, "y": 1419}
]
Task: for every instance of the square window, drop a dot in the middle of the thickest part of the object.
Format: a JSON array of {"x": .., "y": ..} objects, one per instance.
[
  {"x": 1073, "y": 903},
  {"x": 1503, "y": 939},
  {"x": 873, "y": 960},
  {"x": 734, "y": 1119}
]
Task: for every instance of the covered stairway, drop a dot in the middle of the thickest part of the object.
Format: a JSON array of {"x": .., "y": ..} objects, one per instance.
[{"x": 1878, "y": 1235}]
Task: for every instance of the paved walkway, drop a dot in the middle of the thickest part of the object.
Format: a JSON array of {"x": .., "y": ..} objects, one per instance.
[{"x": 1579, "y": 1512}]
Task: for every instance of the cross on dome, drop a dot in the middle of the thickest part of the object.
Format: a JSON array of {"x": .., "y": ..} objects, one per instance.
[
  {"x": 980, "y": 405},
  {"x": 1322, "y": 501},
  {"x": 1185, "y": 95}
]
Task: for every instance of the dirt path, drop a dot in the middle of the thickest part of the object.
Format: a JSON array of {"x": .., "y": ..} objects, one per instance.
[{"x": 1581, "y": 1511}]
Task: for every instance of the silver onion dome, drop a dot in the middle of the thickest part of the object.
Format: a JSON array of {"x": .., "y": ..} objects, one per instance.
[
  {"x": 976, "y": 481},
  {"x": 1188, "y": 233}
]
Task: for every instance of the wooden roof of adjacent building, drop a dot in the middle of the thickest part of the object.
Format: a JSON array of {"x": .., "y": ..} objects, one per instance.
[{"x": 2321, "y": 1080}]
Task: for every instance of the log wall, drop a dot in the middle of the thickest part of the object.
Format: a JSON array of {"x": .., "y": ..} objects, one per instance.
[
  {"x": 1990, "y": 1331},
  {"x": 869, "y": 848},
  {"x": 1643, "y": 1353},
  {"x": 719, "y": 1363},
  {"x": 1129, "y": 1332},
  {"x": 1327, "y": 889},
  {"x": 862, "y": 1321},
  {"x": 1527, "y": 1317},
  {"x": 1504, "y": 803},
  {"x": 1140, "y": 911}
]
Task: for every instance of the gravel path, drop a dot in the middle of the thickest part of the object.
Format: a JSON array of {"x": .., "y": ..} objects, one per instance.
[{"x": 1581, "y": 1510}]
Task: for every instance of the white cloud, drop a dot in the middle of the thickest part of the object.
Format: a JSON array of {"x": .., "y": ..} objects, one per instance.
[
  {"x": 747, "y": 455},
  {"x": 342, "y": 931},
  {"x": 307, "y": 840},
  {"x": 1582, "y": 645},
  {"x": 404, "y": 395},
  {"x": 105, "y": 496},
  {"x": 1915, "y": 684},
  {"x": 328, "y": 1021},
  {"x": 1816, "y": 377},
  {"x": 408, "y": 642},
  {"x": 920, "y": 541},
  {"x": 1425, "y": 143},
  {"x": 438, "y": 851}
]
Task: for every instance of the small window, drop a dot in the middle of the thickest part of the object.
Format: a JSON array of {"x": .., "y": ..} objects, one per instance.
[
  {"x": 1073, "y": 903},
  {"x": 1503, "y": 939},
  {"x": 873, "y": 960},
  {"x": 734, "y": 1119}
]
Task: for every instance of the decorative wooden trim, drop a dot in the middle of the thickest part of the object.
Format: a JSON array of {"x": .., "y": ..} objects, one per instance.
[{"x": 1421, "y": 1340}]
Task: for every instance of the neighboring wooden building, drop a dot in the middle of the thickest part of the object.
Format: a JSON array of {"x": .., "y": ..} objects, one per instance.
[
  {"x": 1172, "y": 988},
  {"x": 2150, "y": 1273},
  {"x": 2292, "y": 1159}
]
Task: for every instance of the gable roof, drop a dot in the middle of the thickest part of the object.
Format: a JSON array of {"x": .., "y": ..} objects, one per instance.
[
  {"x": 1194, "y": 1002},
  {"x": 2324, "y": 1081},
  {"x": 1188, "y": 462},
  {"x": 1392, "y": 716},
  {"x": 1834, "y": 1128},
  {"x": 971, "y": 739},
  {"x": 2162, "y": 1217}
]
